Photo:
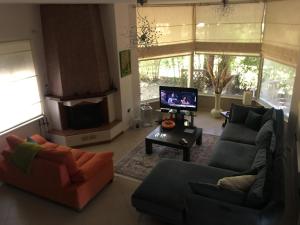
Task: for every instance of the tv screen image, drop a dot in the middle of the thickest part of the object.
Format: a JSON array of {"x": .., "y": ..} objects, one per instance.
[{"x": 178, "y": 98}]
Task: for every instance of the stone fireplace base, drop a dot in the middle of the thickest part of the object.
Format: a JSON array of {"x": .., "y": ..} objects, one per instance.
[
  {"x": 87, "y": 136},
  {"x": 83, "y": 121}
]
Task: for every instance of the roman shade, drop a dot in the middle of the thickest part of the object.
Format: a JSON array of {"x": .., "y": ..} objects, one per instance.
[
  {"x": 174, "y": 23},
  {"x": 241, "y": 25},
  {"x": 282, "y": 32},
  {"x": 19, "y": 93}
]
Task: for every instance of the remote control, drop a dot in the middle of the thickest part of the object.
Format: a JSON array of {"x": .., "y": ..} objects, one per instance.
[{"x": 183, "y": 141}]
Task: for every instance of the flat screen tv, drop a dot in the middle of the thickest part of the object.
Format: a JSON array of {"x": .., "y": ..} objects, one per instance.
[{"x": 178, "y": 98}]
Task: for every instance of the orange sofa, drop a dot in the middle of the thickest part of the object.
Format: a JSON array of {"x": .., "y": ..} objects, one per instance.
[{"x": 69, "y": 176}]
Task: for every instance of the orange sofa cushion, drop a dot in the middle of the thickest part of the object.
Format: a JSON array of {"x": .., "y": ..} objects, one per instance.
[
  {"x": 50, "y": 151},
  {"x": 13, "y": 141},
  {"x": 60, "y": 156},
  {"x": 38, "y": 139},
  {"x": 90, "y": 164}
]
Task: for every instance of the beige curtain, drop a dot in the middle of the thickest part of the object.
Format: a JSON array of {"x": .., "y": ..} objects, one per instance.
[
  {"x": 242, "y": 23},
  {"x": 282, "y": 31},
  {"x": 19, "y": 92},
  {"x": 174, "y": 23}
]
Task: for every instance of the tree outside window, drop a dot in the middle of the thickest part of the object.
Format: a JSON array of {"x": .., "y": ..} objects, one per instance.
[
  {"x": 244, "y": 69},
  {"x": 172, "y": 71}
]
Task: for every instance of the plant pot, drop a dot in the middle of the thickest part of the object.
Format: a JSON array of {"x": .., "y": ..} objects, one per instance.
[
  {"x": 216, "y": 112},
  {"x": 247, "y": 97}
]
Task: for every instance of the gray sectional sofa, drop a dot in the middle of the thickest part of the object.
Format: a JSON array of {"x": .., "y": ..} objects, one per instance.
[{"x": 179, "y": 192}]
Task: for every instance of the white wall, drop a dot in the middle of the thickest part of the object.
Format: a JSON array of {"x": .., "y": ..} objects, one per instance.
[
  {"x": 19, "y": 22},
  {"x": 125, "y": 21},
  {"x": 109, "y": 27}
]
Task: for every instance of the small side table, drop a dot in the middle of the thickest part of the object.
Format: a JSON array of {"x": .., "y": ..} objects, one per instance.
[{"x": 225, "y": 114}]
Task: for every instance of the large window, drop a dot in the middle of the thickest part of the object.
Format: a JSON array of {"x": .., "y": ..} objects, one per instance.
[
  {"x": 206, "y": 29},
  {"x": 19, "y": 95},
  {"x": 171, "y": 71},
  {"x": 243, "y": 68},
  {"x": 277, "y": 85}
]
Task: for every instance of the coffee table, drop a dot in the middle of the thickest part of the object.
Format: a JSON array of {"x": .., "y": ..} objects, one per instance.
[{"x": 172, "y": 137}]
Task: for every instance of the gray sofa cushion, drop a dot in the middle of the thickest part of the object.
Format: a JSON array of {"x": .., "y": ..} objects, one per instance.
[
  {"x": 264, "y": 135},
  {"x": 215, "y": 192},
  {"x": 268, "y": 115},
  {"x": 260, "y": 159},
  {"x": 253, "y": 120},
  {"x": 238, "y": 113},
  {"x": 239, "y": 133},
  {"x": 233, "y": 156},
  {"x": 167, "y": 184},
  {"x": 256, "y": 197}
]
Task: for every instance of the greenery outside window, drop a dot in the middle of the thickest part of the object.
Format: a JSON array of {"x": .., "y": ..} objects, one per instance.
[
  {"x": 277, "y": 85},
  {"x": 245, "y": 70},
  {"x": 171, "y": 71}
]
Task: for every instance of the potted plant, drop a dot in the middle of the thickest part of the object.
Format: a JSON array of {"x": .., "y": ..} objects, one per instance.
[
  {"x": 219, "y": 82},
  {"x": 247, "y": 85},
  {"x": 247, "y": 97}
]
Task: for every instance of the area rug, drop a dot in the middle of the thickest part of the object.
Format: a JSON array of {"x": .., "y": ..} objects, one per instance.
[{"x": 138, "y": 164}]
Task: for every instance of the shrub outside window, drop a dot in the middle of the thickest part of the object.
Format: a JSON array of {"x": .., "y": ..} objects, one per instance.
[
  {"x": 277, "y": 85},
  {"x": 245, "y": 70}
]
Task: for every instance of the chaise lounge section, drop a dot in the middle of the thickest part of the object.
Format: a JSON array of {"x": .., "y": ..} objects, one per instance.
[{"x": 185, "y": 193}]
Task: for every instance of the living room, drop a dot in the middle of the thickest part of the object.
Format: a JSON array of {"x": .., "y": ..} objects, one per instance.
[{"x": 116, "y": 55}]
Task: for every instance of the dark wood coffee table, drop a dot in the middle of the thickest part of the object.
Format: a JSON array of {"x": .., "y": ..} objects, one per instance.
[{"x": 172, "y": 137}]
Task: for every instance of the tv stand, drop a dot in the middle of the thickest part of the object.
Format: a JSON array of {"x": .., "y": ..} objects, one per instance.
[{"x": 179, "y": 116}]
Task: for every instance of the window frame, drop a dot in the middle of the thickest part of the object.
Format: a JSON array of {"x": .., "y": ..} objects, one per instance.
[
  {"x": 234, "y": 55},
  {"x": 192, "y": 54}
]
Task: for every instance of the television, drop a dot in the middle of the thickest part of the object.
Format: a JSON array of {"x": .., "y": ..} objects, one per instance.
[{"x": 178, "y": 98}]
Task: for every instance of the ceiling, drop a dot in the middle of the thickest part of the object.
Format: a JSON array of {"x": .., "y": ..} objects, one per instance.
[
  {"x": 69, "y": 1},
  {"x": 126, "y": 1},
  {"x": 197, "y": 1}
]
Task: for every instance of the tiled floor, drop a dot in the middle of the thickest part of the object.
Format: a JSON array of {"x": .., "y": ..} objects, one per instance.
[{"x": 111, "y": 207}]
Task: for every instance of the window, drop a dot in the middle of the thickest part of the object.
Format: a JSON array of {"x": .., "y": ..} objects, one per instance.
[
  {"x": 19, "y": 94},
  {"x": 171, "y": 71},
  {"x": 243, "y": 68},
  {"x": 277, "y": 85}
]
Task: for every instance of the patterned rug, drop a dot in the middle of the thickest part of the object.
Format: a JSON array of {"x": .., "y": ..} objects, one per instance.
[{"x": 138, "y": 164}]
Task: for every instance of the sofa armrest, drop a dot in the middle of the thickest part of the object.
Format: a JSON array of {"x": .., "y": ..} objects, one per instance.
[
  {"x": 210, "y": 211},
  {"x": 94, "y": 165},
  {"x": 217, "y": 193}
]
